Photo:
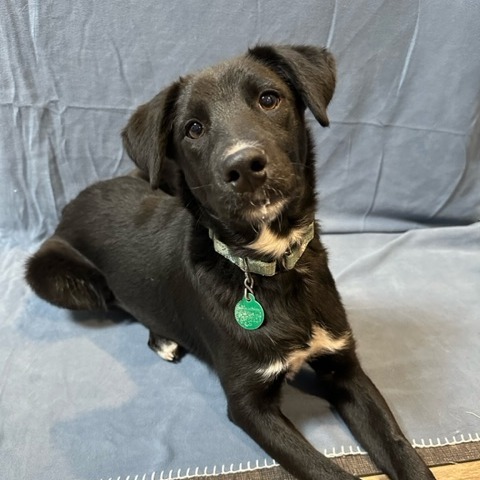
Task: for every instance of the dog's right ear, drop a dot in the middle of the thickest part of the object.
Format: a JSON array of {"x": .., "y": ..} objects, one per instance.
[
  {"x": 308, "y": 70},
  {"x": 146, "y": 136}
]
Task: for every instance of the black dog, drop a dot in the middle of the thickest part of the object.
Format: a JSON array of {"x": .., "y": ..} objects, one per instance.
[{"x": 231, "y": 267}]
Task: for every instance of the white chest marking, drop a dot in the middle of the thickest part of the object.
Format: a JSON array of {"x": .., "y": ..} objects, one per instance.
[
  {"x": 272, "y": 370},
  {"x": 268, "y": 243},
  {"x": 320, "y": 343}
]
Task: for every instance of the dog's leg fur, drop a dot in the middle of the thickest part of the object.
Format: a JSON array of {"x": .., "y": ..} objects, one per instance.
[
  {"x": 346, "y": 386},
  {"x": 61, "y": 275},
  {"x": 256, "y": 409}
]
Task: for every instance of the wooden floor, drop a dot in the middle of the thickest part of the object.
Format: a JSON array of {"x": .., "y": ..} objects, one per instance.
[{"x": 460, "y": 471}]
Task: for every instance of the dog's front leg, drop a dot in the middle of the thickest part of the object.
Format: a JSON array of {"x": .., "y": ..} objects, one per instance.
[
  {"x": 255, "y": 408},
  {"x": 362, "y": 407}
]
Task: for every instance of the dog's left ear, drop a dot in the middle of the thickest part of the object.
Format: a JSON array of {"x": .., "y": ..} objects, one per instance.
[
  {"x": 310, "y": 72},
  {"x": 147, "y": 133}
]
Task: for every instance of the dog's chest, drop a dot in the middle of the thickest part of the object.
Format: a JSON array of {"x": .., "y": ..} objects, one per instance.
[
  {"x": 269, "y": 243},
  {"x": 321, "y": 342}
]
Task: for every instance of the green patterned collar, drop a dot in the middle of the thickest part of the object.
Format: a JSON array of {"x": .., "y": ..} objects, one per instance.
[{"x": 267, "y": 269}]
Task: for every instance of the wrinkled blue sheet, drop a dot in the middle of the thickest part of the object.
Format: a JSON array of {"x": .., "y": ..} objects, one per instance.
[
  {"x": 402, "y": 152},
  {"x": 82, "y": 397}
]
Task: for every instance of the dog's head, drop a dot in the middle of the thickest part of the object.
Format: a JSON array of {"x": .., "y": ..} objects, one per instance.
[{"x": 237, "y": 132}]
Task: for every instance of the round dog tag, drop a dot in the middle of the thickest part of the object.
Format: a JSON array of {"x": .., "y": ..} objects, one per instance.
[{"x": 249, "y": 313}]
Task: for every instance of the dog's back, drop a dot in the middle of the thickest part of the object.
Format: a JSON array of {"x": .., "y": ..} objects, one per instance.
[{"x": 116, "y": 239}]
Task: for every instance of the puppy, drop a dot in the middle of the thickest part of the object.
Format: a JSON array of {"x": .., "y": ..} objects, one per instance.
[{"x": 229, "y": 265}]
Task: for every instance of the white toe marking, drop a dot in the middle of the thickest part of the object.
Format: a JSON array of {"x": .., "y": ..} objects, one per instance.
[{"x": 167, "y": 350}]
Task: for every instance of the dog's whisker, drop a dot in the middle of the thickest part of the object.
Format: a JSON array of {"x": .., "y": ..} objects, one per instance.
[{"x": 207, "y": 185}]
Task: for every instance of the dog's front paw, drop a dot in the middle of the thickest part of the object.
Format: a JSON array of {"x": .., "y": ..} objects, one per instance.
[{"x": 165, "y": 348}]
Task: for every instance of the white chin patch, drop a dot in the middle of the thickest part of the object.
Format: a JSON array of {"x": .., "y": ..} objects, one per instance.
[{"x": 266, "y": 213}]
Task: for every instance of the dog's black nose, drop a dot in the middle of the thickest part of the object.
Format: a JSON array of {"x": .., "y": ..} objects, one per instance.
[{"x": 245, "y": 169}]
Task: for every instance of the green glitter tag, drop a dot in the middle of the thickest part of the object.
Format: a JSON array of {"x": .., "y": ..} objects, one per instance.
[{"x": 249, "y": 313}]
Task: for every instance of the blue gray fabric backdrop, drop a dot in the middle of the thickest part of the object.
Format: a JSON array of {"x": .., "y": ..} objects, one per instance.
[{"x": 399, "y": 189}]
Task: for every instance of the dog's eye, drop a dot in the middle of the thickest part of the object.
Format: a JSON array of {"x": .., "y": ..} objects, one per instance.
[
  {"x": 269, "y": 100},
  {"x": 194, "y": 129}
]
